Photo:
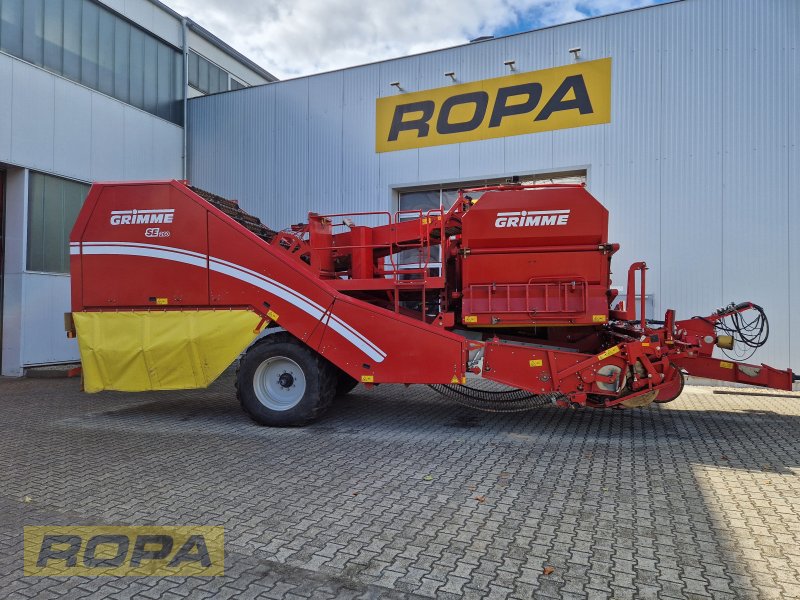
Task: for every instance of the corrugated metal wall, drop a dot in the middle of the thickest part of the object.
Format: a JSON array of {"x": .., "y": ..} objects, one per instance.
[{"x": 695, "y": 165}]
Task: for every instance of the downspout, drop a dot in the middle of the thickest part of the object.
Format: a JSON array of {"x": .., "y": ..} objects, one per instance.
[{"x": 185, "y": 28}]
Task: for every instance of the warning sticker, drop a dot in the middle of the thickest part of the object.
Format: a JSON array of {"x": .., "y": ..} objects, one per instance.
[{"x": 606, "y": 353}]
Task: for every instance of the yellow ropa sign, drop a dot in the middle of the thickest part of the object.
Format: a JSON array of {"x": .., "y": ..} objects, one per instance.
[
  {"x": 124, "y": 551},
  {"x": 572, "y": 96}
]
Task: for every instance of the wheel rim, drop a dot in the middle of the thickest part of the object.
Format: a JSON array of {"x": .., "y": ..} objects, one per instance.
[{"x": 279, "y": 383}]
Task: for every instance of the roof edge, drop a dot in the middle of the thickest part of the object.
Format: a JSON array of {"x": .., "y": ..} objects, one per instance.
[{"x": 215, "y": 41}]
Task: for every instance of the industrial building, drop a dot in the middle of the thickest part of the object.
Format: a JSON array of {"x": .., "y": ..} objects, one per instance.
[
  {"x": 90, "y": 90},
  {"x": 689, "y": 137},
  {"x": 679, "y": 117}
]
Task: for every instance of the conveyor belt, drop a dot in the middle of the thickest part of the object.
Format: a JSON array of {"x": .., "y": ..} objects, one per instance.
[{"x": 232, "y": 209}]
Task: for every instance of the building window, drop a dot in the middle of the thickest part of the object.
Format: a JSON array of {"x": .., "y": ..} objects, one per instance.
[
  {"x": 53, "y": 206},
  {"x": 208, "y": 78},
  {"x": 87, "y": 43},
  {"x": 432, "y": 197}
]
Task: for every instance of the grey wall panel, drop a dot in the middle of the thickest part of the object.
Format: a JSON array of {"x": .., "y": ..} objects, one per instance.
[
  {"x": 16, "y": 192},
  {"x": 6, "y": 103},
  {"x": 530, "y": 52},
  {"x": 166, "y": 26},
  {"x": 482, "y": 60},
  {"x": 72, "y": 135},
  {"x": 107, "y": 152},
  {"x": 137, "y": 144},
  {"x": 32, "y": 116},
  {"x": 438, "y": 163},
  {"x": 691, "y": 181},
  {"x": 261, "y": 144},
  {"x": 792, "y": 168},
  {"x": 140, "y": 12},
  {"x": 431, "y": 69},
  {"x": 360, "y": 163},
  {"x": 291, "y": 159},
  {"x": 47, "y": 298},
  {"x": 755, "y": 186},
  {"x": 324, "y": 139},
  {"x": 530, "y": 153},
  {"x": 632, "y": 141},
  {"x": 167, "y": 148},
  {"x": 396, "y": 169}
]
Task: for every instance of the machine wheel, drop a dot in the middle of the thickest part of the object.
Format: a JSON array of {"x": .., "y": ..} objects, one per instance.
[
  {"x": 345, "y": 384},
  {"x": 672, "y": 389},
  {"x": 282, "y": 382}
]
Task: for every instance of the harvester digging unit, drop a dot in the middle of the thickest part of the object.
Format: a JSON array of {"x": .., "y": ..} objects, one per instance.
[{"x": 510, "y": 285}]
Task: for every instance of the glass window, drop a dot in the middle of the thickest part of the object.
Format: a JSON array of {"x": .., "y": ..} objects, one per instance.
[
  {"x": 53, "y": 206},
  {"x": 446, "y": 194},
  {"x": 137, "y": 68},
  {"x": 208, "y": 77},
  {"x": 11, "y": 27},
  {"x": 177, "y": 91},
  {"x": 214, "y": 76},
  {"x": 194, "y": 70},
  {"x": 122, "y": 60},
  {"x": 53, "y": 34},
  {"x": 165, "y": 77},
  {"x": 106, "y": 53},
  {"x": 202, "y": 80},
  {"x": 90, "y": 44},
  {"x": 86, "y": 42},
  {"x": 150, "y": 75},
  {"x": 73, "y": 15},
  {"x": 33, "y": 32},
  {"x": 223, "y": 81}
]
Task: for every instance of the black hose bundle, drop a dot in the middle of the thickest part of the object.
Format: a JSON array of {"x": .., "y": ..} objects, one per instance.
[
  {"x": 748, "y": 334},
  {"x": 493, "y": 397}
]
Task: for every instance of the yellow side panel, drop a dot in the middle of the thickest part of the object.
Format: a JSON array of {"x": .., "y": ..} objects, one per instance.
[{"x": 160, "y": 350}]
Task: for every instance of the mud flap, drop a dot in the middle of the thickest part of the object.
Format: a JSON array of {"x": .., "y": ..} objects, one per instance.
[{"x": 160, "y": 350}]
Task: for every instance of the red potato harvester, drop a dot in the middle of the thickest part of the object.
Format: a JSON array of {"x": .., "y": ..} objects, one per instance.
[{"x": 510, "y": 287}]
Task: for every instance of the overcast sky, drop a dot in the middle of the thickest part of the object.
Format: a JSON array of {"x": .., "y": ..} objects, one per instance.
[{"x": 299, "y": 37}]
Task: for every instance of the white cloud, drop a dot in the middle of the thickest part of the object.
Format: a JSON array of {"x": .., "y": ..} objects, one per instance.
[{"x": 291, "y": 38}]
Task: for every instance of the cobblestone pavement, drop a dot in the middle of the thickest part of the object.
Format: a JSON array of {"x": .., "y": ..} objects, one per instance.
[{"x": 397, "y": 493}]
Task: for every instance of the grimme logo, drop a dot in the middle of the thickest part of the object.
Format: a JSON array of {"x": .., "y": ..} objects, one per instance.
[
  {"x": 142, "y": 216},
  {"x": 124, "y": 551},
  {"x": 569, "y": 96},
  {"x": 532, "y": 218}
]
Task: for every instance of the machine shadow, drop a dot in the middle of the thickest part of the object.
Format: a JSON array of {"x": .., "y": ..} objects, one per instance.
[{"x": 417, "y": 411}]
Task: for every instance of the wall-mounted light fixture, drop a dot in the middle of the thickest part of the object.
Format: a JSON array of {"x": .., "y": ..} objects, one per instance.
[
  {"x": 397, "y": 85},
  {"x": 451, "y": 75},
  {"x": 576, "y": 53},
  {"x": 511, "y": 64}
]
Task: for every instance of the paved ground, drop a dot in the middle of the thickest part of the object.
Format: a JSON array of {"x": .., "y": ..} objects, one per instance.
[{"x": 697, "y": 499}]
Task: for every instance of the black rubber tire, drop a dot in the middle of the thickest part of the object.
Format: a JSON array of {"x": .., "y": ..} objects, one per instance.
[
  {"x": 320, "y": 377},
  {"x": 344, "y": 383}
]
